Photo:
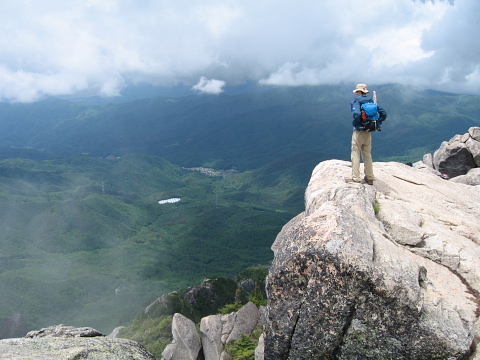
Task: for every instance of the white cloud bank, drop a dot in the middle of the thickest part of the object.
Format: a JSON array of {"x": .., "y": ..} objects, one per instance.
[{"x": 56, "y": 47}]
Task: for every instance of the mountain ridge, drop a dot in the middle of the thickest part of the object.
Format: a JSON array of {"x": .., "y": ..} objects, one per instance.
[{"x": 241, "y": 130}]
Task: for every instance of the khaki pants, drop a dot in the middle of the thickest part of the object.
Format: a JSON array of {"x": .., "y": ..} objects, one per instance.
[{"x": 362, "y": 143}]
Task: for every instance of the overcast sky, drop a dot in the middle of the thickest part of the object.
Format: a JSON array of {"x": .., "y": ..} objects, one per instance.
[{"x": 60, "y": 47}]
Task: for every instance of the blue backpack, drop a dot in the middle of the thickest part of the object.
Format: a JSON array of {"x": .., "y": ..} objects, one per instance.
[
  {"x": 368, "y": 115},
  {"x": 367, "y": 110},
  {"x": 370, "y": 111}
]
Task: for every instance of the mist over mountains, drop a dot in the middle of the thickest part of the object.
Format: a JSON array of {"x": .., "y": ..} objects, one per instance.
[{"x": 245, "y": 130}]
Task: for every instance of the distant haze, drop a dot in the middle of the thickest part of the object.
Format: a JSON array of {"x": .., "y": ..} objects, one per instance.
[{"x": 99, "y": 47}]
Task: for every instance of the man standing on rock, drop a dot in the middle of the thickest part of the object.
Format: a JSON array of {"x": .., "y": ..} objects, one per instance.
[{"x": 362, "y": 135}]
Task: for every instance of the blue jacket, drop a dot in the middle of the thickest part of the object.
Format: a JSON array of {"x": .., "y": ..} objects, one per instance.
[{"x": 357, "y": 113}]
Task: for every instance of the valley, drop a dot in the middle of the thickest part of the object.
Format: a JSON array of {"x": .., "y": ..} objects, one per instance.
[{"x": 85, "y": 240}]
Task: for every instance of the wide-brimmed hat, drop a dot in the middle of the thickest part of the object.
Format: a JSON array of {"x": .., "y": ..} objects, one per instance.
[{"x": 362, "y": 88}]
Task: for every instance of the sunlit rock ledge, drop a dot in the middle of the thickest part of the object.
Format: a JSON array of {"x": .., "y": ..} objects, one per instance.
[{"x": 389, "y": 271}]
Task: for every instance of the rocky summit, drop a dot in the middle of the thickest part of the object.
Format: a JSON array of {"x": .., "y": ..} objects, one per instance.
[{"x": 389, "y": 271}]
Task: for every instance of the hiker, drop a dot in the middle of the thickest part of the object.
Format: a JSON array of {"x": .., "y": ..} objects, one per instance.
[{"x": 362, "y": 135}]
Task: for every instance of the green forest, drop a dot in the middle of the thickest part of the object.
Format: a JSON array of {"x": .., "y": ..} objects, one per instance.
[{"x": 85, "y": 241}]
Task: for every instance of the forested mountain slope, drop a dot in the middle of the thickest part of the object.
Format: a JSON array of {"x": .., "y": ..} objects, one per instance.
[
  {"x": 245, "y": 130},
  {"x": 84, "y": 240}
]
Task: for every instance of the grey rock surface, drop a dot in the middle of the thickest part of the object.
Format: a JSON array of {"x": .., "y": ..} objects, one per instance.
[
  {"x": 398, "y": 280},
  {"x": 220, "y": 330},
  {"x": 428, "y": 160},
  {"x": 211, "y": 333},
  {"x": 260, "y": 350},
  {"x": 64, "y": 331},
  {"x": 453, "y": 158},
  {"x": 66, "y": 342},
  {"x": 186, "y": 341},
  {"x": 244, "y": 322},
  {"x": 474, "y": 132},
  {"x": 457, "y": 156},
  {"x": 472, "y": 178},
  {"x": 474, "y": 147}
]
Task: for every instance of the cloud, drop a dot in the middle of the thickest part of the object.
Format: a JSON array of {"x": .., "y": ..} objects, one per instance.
[
  {"x": 56, "y": 47},
  {"x": 293, "y": 74},
  {"x": 212, "y": 86},
  {"x": 455, "y": 63}
]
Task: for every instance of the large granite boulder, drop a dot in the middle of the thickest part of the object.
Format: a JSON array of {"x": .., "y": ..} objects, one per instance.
[
  {"x": 220, "y": 330},
  {"x": 186, "y": 341},
  {"x": 67, "y": 342},
  {"x": 242, "y": 322},
  {"x": 457, "y": 156},
  {"x": 390, "y": 271},
  {"x": 453, "y": 158}
]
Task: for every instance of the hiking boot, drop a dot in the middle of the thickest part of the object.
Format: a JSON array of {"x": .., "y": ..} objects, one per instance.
[
  {"x": 368, "y": 181},
  {"x": 350, "y": 180}
]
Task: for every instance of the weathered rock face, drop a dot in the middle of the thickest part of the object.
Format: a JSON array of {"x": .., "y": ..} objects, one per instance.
[
  {"x": 457, "y": 156},
  {"x": 390, "y": 271},
  {"x": 66, "y": 342}
]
